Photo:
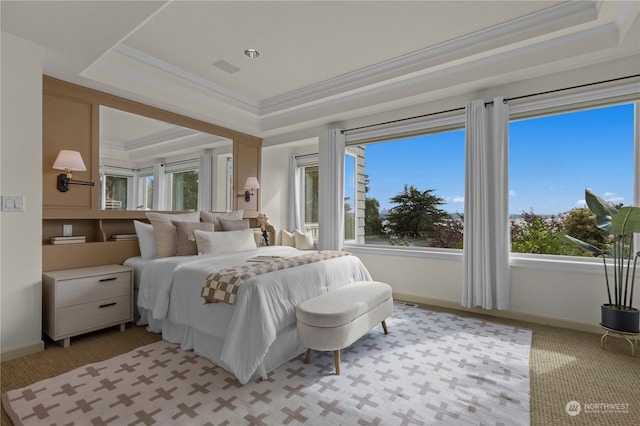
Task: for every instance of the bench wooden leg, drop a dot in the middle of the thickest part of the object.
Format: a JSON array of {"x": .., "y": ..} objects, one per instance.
[
  {"x": 307, "y": 359},
  {"x": 336, "y": 361},
  {"x": 384, "y": 327}
]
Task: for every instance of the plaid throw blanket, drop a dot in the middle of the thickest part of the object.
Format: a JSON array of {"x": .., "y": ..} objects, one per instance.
[{"x": 222, "y": 286}]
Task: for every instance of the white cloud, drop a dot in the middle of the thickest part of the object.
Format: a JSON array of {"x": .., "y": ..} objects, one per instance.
[
  {"x": 581, "y": 203},
  {"x": 512, "y": 193},
  {"x": 457, "y": 199}
]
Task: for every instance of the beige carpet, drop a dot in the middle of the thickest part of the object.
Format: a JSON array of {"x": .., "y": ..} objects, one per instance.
[
  {"x": 433, "y": 367},
  {"x": 565, "y": 365}
]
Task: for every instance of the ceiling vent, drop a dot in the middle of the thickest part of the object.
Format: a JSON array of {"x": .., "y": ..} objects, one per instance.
[{"x": 226, "y": 66}]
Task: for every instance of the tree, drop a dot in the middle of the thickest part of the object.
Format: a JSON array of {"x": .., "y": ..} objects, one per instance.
[
  {"x": 535, "y": 234},
  {"x": 372, "y": 219},
  {"x": 416, "y": 214},
  {"x": 581, "y": 224}
]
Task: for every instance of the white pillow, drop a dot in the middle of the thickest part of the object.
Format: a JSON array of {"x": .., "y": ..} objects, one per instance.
[
  {"x": 146, "y": 239},
  {"x": 304, "y": 240},
  {"x": 224, "y": 242},
  {"x": 288, "y": 238}
]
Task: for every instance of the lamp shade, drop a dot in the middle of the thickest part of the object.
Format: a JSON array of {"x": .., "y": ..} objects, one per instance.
[
  {"x": 252, "y": 183},
  {"x": 69, "y": 160}
]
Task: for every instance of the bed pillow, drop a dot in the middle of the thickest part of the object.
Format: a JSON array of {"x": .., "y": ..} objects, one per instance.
[
  {"x": 257, "y": 235},
  {"x": 146, "y": 239},
  {"x": 304, "y": 240},
  {"x": 234, "y": 225},
  {"x": 288, "y": 238},
  {"x": 185, "y": 240},
  {"x": 165, "y": 231},
  {"x": 224, "y": 242},
  {"x": 215, "y": 217}
]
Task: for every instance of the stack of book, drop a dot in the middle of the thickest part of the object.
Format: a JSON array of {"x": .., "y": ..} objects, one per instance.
[
  {"x": 75, "y": 239},
  {"x": 123, "y": 237}
]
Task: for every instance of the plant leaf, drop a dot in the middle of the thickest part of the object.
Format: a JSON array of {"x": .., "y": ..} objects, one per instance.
[
  {"x": 585, "y": 246},
  {"x": 626, "y": 221},
  {"x": 601, "y": 208}
]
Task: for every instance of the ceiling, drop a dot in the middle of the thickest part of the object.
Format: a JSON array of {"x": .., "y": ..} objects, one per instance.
[{"x": 320, "y": 61}]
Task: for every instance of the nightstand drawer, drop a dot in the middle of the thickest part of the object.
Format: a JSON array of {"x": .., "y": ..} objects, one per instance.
[
  {"x": 86, "y": 289},
  {"x": 75, "y": 319}
]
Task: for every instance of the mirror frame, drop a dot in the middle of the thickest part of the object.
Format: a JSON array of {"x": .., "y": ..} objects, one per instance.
[{"x": 246, "y": 150}]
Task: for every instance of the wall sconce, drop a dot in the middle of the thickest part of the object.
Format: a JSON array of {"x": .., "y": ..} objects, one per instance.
[
  {"x": 250, "y": 185},
  {"x": 69, "y": 161}
]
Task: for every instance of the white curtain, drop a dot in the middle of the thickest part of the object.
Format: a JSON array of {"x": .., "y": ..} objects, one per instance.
[
  {"x": 486, "y": 206},
  {"x": 331, "y": 190},
  {"x": 205, "y": 181},
  {"x": 296, "y": 196}
]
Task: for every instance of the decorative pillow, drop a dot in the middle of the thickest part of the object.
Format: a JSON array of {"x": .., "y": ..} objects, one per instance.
[
  {"x": 146, "y": 239},
  {"x": 224, "y": 242},
  {"x": 185, "y": 240},
  {"x": 257, "y": 235},
  {"x": 214, "y": 217},
  {"x": 234, "y": 225},
  {"x": 166, "y": 232},
  {"x": 304, "y": 241},
  {"x": 288, "y": 238}
]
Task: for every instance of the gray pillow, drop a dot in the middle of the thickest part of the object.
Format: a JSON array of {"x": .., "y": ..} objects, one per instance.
[
  {"x": 185, "y": 240},
  {"x": 234, "y": 225}
]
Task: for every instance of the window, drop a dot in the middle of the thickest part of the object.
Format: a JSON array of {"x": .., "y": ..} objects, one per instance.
[
  {"x": 115, "y": 192},
  {"x": 350, "y": 195},
  {"x": 552, "y": 160},
  {"x": 184, "y": 190},
  {"x": 412, "y": 191}
]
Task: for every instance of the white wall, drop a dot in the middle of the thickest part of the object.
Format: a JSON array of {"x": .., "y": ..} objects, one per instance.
[{"x": 21, "y": 174}]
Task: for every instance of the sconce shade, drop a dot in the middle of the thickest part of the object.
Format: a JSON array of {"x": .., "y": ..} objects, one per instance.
[
  {"x": 252, "y": 183},
  {"x": 70, "y": 161}
]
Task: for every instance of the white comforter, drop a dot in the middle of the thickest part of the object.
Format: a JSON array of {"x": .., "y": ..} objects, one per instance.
[{"x": 265, "y": 304}]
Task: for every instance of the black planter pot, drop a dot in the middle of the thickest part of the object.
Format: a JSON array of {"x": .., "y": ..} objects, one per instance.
[{"x": 625, "y": 320}]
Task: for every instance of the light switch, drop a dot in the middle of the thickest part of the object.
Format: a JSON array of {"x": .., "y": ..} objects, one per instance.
[{"x": 12, "y": 203}]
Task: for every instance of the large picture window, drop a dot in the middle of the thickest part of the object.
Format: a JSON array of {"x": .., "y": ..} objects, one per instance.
[
  {"x": 413, "y": 191},
  {"x": 552, "y": 160}
]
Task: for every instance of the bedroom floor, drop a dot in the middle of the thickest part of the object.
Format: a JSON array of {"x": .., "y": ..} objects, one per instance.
[{"x": 565, "y": 365}]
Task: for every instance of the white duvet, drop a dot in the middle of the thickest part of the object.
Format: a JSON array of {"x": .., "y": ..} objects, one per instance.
[{"x": 265, "y": 304}]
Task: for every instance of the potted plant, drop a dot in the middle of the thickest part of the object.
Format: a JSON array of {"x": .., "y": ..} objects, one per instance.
[{"x": 620, "y": 224}]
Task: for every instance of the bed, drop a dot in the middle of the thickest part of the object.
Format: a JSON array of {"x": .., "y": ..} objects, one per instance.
[{"x": 255, "y": 334}]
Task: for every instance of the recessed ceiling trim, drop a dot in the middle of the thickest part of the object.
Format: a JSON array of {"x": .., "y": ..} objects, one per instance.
[
  {"x": 176, "y": 72},
  {"x": 542, "y": 22}
]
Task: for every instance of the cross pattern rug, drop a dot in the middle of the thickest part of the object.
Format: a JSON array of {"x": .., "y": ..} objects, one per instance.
[{"x": 432, "y": 368}]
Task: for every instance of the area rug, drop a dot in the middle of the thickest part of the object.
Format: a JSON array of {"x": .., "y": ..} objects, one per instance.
[{"x": 432, "y": 368}]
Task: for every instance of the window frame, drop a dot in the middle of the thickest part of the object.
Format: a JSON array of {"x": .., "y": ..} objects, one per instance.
[{"x": 518, "y": 109}]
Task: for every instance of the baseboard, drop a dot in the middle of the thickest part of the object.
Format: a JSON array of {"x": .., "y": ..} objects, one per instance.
[
  {"x": 22, "y": 351},
  {"x": 520, "y": 316}
]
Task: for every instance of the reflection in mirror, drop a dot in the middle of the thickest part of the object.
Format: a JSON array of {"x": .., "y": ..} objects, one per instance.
[{"x": 147, "y": 164}]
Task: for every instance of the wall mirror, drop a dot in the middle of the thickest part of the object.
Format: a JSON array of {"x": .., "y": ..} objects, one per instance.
[{"x": 148, "y": 164}]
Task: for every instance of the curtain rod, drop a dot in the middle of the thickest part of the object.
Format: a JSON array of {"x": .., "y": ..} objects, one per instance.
[{"x": 491, "y": 103}]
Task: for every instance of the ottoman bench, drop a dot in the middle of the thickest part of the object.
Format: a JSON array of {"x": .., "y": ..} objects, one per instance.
[{"x": 335, "y": 320}]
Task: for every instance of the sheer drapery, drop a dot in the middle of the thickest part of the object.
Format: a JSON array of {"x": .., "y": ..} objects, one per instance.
[
  {"x": 206, "y": 186},
  {"x": 486, "y": 211},
  {"x": 296, "y": 195},
  {"x": 331, "y": 190}
]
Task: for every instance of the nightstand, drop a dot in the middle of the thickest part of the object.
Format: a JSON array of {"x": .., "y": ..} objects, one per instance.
[{"x": 77, "y": 301}]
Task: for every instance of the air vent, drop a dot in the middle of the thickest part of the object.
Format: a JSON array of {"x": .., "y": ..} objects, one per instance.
[{"x": 226, "y": 66}]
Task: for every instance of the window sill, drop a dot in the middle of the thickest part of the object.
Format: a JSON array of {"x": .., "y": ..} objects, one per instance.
[{"x": 518, "y": 260}]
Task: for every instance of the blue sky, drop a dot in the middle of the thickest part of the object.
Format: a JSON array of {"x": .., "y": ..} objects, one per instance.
[{"x": 551, "y": 162}]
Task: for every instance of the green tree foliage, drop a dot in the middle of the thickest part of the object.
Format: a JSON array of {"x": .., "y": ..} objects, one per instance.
[
  {"x": 416, "y": 214},
  {"x": 535, "y": 234},
  {"x": 185, "y": 187},
  {"x": 581, "y": 224},
  {"x": 372, "y": 219}
]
